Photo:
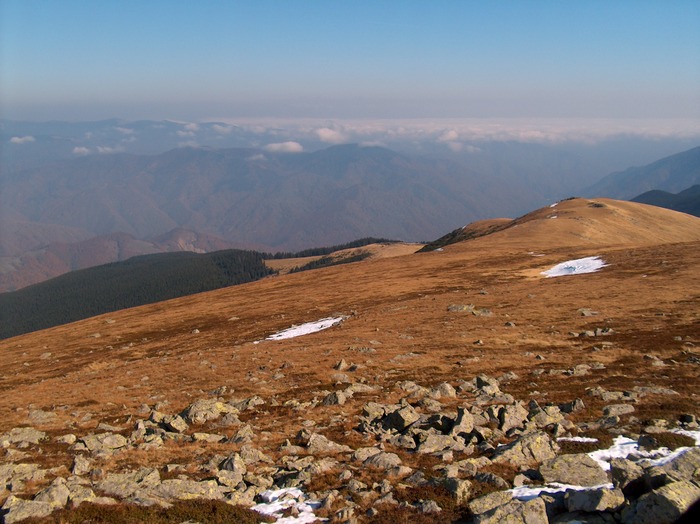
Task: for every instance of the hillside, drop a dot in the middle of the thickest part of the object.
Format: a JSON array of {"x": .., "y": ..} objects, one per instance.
[
  {"x": 687, "y": 201},
  {"x": 673, "y": 174},
  {"x": 139, "y": 280},
  {"x": 433, "y": 361}
]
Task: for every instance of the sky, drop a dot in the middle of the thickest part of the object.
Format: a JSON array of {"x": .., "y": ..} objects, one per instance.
[{"x": 207, "y": 60}]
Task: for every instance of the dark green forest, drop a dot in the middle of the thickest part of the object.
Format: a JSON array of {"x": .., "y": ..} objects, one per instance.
[{"x": 142, "y": 280}]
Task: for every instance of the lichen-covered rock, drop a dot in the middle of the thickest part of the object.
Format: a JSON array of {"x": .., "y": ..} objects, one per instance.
[
  {"x": 204, "y": 410},
  {"x": 663, "y": 505},
  {"x": 104, "y": 442},
  {"x": 590, "y": 500},
  {"x": 56, "y": 494},
  {"x": 577, "y": 469},
  {"x": 488, "y": 502},
  {"x": 383, "y": 460},
  {"x": 460, "y": 489},
  {"x": 23, "y": 436},
  {"x": 515, "y": 512},
  {"x": 627, "y": 476},
  {"x": 401, "y": 418},
  {"x": 123, "y": 485},
  {"x": 16, "y": 509},
  {"x": 526, "y": 449},
  {"x": 513, "y": 416}
]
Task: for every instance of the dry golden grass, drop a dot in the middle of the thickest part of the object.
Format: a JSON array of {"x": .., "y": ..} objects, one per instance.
[{"x": 399, "y": 328}]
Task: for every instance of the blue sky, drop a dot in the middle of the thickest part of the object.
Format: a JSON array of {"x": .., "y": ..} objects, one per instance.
[{"x": 78, "y": 60}]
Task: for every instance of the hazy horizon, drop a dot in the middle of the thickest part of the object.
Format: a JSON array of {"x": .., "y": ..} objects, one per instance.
[{"x": 77, "y": 60}]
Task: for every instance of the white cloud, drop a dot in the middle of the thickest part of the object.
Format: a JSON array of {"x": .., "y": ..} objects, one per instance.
[
  {"x": 106, "y": 150},
  {"x": 185, "y": 133},
  {"x": 255, "y": 158},
  {"x": 82, "y": 151},
  {"x": 331, "y": 136},
  {"x": 449, "y": 136},
  {"x": 22, "y": 139},
  {"x": 192, "y": 127},
  {"x": 285, "y": 147},
  {"x": 125, "y": 130},
  {"x": 222, "y": 130}
]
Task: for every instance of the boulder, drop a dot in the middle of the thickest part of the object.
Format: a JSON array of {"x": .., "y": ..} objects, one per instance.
[
  {"x": 663, "y": 505},
  {"x": 627, "y": 476},
  {"x": 23, "y": 436},
  {"x": 104, "y": 442},
  {"x": 123, "y": 485},
  {"x": 401, "y": 418},
  {"x": 526, "y": 449},
  {"x": 460, "y": 489},
  {"x": 488, "y": 502},
  {"x": 16, "y": 509},
  {"x": 515, "y": 512},
  {"x": 577, "y": 469},
  {"x": 590, "y": 500},
  {"x": 56, "y": 495},
  {"x": 383, "y": 460},
  {"x": 513, "y": 416},
  {"x": 204, "y": 410}
]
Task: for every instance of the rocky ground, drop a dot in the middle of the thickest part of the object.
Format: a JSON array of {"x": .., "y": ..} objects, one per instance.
[{"x": 447, "y": 394}]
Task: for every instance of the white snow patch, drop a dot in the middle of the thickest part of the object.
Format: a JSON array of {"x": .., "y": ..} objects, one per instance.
[
  {"x": 529, "y": 493},
  {"x": 577, "y": 439},
  {"x": 554, "y": 205},
  {"x": 554, "y": 216},
  {"x": 307, "y": 328},
  {"x": 275, "y": 502},
  {"x": 576, "y": 267},
  {"x": 622, "y": 447}
]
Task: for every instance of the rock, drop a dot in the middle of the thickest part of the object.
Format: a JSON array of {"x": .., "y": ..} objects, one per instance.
[
  {"x": 627, "y": 476},
  {"x": 487, "y": 385},
  {"x": 373, "y": 411},
  {"x": 176, "y": 424},
  {"x": 204, "y": 410},
  {"x": 572, "y": 407},
  {"x": 13, "y": 476},
  {"x": 492, "y": 479},
  {"x": 443, "y": 390},
  {"x": 383, "y": 460},
  {"x": 464, "y": 423},
  {"x": 516, "y": 512},
  {"x": 428, "y": 506},
  {"x": 590, "y": 500},
  {"x": 577, "y": 469},
  {"x": 123, "y": 485},
  {"x": 526, "y": 449},
  {"x": 685, "y": 466},
  {"x": 362, "y": 454},
  {"x": 459, "y": 489},
  {"x": 512, "y": 416},
  {"x": 104, "y": 442},
  {"x": 68, "y": 439},
  {"x": 16, "y": 509},
  {"x": 663, "y": 505},
  {"x": 618, "y": 409},
  {"x": 431, "y": 443},
  {"x": 489, "y": 502},
  {"x": 81, "y": 465},
  {"x": 235, "y": 464},
  {"x": 335, "y": 398},
  {"x": 56, "y": 495},
  {"x": 401, "y": 418},
  {"x": 207, "y": 437},
  {"x": 23, "y": 436},
  {"x": 316, "y": 443},
  {"x": 546, "y": 416},
  {"x": 188, "y": 489}
]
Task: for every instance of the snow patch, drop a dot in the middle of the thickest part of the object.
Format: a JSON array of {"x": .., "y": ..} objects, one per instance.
[
  {"x": 622, "y": 447},
  {"x": 307, "y": 328},
  {"x": 577, "y": 439},
  {"x": 576, "y": 267},
  {"x": 276, "y": 502}
]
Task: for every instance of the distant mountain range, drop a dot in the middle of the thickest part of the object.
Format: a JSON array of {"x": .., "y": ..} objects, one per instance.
[
  {"x": 56, "y": 258},
  {"x": 672, "y": 174},
  {"x": 687, "y": 201}
]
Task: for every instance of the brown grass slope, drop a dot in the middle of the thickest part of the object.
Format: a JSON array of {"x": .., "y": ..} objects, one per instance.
[{"x": 399, "y": 327}]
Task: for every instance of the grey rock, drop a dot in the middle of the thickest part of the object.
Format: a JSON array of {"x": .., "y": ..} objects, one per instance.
[
  {"x": 362, "y": 454},
  {"x": 104, "y": 442},
  {"x": 464, "y": 422},
  {"x": 176, "y": 424},
  {"x": 317, "y": 443},
  {"x": 204, "y": 410},
  {"x": 234, "y": 463},
  {"x": 16, "y": 509},
  {"x": 590, "y": 500},
  {"x": 578, "y": 469},
  {"x": 428, "y": 507},
  {"x": 487, "y": 385},
  {"x": 574, "y": 406},
  {"x": 431, "y": 443},
  {"x": 81, "y": 465},
  {"x": 513, "y": 416},
  {"x": 492, "y": 479},
  {"x": 443, "y": 390},
  {"x": 663, "y": 505},
  {"x": 489, "y": 502},
  {"x": 460, "y": 489},
  {"x": 188, "y": 489},
  {"x": 526, "y": 449},
  {"x": 627, "y": 476},
  {"x": 401, "y": 418},
  {"x": 685, "y": 466},
  {"x": 516, "y": 512},
  {"x": 618, "y": 409},
  {"x": 123, "y": 485},
  {"x": 212, "y": 438},
  {"x": 335, "y": 398},
  {"x": 23, "y": 436},
  {"x": 383, "y": 460},
  {"x": 13, "y": 476},
  {"x": 56, "y": 495}
]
